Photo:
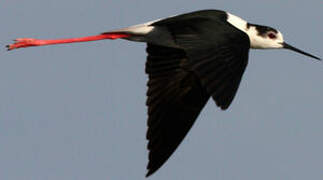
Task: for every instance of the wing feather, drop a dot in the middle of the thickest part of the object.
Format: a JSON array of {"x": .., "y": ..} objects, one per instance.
[{"x": 175, "y": 99}]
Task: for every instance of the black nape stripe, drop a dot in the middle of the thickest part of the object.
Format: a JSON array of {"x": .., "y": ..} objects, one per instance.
[{"x": 262, "y": 30}]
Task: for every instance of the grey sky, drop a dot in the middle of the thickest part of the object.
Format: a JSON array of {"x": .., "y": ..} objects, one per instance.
[{"x": 77, "y": 112}]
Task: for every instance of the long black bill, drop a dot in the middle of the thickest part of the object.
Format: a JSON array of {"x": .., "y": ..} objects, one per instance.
[{"x": 287, "y": 46}]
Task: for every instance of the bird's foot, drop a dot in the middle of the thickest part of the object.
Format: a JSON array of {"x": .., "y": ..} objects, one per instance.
[{"x": 22, "y": 43}]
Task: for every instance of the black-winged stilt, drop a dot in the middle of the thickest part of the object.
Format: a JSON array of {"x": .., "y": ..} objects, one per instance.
[{"x": 191, "y": 57}]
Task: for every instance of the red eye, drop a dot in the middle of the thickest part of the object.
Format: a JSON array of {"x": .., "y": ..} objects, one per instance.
[{"x": 272, "y": 36}]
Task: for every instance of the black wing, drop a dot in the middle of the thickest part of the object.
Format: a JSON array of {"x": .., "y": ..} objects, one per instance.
[
  {"x": 216, "y": 50},
  {"x": 175, "y": 99},
  {"x": 209, "y": 60}
]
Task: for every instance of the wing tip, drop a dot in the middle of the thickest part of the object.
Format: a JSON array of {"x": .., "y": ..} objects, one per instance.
[
  {"x": 154, "y": 166},
  {"x": 151, "y": 171}
]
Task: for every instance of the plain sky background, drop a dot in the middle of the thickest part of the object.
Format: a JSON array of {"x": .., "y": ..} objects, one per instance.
[{"x": 77, "y": 111}]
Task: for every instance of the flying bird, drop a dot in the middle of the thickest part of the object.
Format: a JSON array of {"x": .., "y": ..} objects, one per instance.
[{"x": 191, "y": 57}]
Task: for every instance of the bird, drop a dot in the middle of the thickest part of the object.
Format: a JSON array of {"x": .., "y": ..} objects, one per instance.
[{"x": 192, "y": 57}]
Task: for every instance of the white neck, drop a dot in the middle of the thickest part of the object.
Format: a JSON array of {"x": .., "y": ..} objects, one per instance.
[{"x": 237, "y": 22}]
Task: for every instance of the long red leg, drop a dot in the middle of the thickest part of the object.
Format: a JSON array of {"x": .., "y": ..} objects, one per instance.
[{"x": 28, "y": 42}]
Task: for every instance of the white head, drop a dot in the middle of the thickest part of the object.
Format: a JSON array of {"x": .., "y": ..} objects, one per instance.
[{"x": 263, "y": 37}]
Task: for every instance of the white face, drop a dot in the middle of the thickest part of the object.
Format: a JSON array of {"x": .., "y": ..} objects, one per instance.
[{"x": 266, "y": 40}]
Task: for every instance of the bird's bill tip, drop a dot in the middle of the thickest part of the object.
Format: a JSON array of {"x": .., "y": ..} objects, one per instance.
[{"x": 287, "y": 46}]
